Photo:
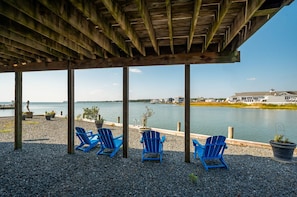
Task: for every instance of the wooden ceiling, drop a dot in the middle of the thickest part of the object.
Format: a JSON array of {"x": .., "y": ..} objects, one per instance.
[{"x": 76, "y": 34}]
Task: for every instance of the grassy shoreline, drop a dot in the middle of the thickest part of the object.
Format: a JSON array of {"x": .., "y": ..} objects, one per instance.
[{"x": 243, "y": 105}]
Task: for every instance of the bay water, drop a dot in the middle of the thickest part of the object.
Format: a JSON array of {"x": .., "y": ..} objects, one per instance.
[{"x": 258, "y": 125}]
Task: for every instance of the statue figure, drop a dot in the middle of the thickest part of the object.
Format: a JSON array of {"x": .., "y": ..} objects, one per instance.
[{"x": 28, "y": 102}]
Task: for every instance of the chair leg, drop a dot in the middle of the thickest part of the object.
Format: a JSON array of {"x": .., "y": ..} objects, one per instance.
[
  {"x": 89, "y": 148},
  {"x": 100, "y": 151},
  {"x": 224, "y": 163},
  {"x": 195, "y": 152},
  {"x": 79, "y": 146},
  {"x": 204, "y": 164},
  {"x": 114, "y": 152}
]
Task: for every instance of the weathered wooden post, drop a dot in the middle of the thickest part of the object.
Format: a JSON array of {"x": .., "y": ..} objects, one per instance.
[
  {"x": 119, "y": 119},
  {"x": 230, "y": 132},
  {"x": 178, "y": 126}
]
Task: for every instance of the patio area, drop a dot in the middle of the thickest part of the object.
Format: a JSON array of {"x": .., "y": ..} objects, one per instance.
[{"x": 44, "y": 168}]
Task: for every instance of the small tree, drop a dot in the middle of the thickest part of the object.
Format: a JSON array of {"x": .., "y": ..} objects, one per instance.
[
  {"x": 91, "y": 113},
  {"x": 149, "y": 112}
]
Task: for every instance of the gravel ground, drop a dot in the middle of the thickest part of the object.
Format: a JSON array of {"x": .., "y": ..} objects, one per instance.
[{"x": 43, "y": 167}]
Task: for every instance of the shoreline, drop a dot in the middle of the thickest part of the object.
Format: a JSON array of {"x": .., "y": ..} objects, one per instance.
[
  {"x": 234, "y": 141},
  {"x": 231, "y": 141}
]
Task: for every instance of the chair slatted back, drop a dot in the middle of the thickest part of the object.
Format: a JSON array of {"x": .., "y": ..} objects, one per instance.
[
  {"x": 106, "y": 138},
  {"x": 214, "y": 147},
  {"x": 151, "y": 141},
  {"x": 82, "y": 135}
]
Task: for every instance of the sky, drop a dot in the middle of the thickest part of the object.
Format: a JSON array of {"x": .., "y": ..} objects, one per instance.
[{"x": 268, "y": 61}]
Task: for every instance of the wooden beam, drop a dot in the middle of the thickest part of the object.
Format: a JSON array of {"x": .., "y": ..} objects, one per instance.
[
  {"x": 5, "y": 58},
  {"x": 20, "y": 53},
  {"x": 197, "y": 6},
  {"x": 89, "y": 10},
  {"x": 125, "y": 111},
  {"x": 10, "y": 54},
  {"x": 18, "y": 111},
  {"x": 189, "y": 58},
  {"x": 26, "y": 21},
  {"x": 37, "y": 42},
  {"x": 241, "y": 19},
  {"x": 144, "y": 13},
  {"x": 266, "y": 12},
  {"x": 222, "y": 10},
  {"x": 81, "y": 24},
  {"x": 59, "y": 26},
  {"x": 170, "y": 29},
  {"x": 124, "y": 23},
  {"x": 187, "y": 113},
  {"x": 70, "y": 139},
  {"x": 259, "y": 19},
  {"x": 272, "y": 11},
  {"x": 24, "y": 44},
  {"x": 246, "y": 33}
]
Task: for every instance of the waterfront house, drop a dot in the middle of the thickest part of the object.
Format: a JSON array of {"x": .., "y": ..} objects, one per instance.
[{"x": 269, "y": 97}]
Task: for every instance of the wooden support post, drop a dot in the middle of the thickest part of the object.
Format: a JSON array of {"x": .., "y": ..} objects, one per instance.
[
  {"x": 119, "y": 119},
  {"x": 125, "y": 111},
  {"x": 230, "y": 132},
  {"x": 187, "y": 113},
  {"x": 70, "y": 111},
  {"x": 18, "y": 111}
]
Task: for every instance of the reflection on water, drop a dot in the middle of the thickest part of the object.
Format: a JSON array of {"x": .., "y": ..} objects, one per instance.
[{"x": 249, "y": 124}]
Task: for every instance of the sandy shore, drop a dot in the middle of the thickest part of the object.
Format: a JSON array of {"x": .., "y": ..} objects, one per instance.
[{"x": 43, "y": 167}]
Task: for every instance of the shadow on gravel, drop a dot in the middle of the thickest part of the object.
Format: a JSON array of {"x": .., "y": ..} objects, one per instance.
[
  {"x": 47, "y": 170},
  {"x": 43, "y": 139}
]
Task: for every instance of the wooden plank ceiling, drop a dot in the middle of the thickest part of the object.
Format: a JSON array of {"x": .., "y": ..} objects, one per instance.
[{"x": 55, "y": 35}]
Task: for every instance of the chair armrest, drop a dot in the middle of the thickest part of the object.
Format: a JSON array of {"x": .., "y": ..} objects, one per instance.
[
  {"x": 120, "y": 136},
  {"x": 163, "y": 139},
  {"x": 196, "y": 143},
  {"x": 89, "y": 133},
  {"x": 94, "y": 137}
]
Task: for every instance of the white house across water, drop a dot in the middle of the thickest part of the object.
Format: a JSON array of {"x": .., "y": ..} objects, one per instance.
[{"x": 270, "y": 97}]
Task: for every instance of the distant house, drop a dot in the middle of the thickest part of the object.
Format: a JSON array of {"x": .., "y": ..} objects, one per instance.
[
  {"x": 271, "y": 97},
  {"x": 169, "y": 100},
  {"x": 154, "y": 101},
  {"x": 179, "y": 100},
  {"x": 210, "y": 100}
]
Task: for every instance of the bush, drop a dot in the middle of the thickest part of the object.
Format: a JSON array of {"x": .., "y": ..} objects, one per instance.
[{"x": 92, "y": 113}]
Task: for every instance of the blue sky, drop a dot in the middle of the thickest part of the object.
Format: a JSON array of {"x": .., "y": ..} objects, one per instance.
[{"x": 268, "y": 60}]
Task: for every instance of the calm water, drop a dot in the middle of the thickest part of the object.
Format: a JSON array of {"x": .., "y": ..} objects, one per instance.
[{"x": 249, "y": 124}]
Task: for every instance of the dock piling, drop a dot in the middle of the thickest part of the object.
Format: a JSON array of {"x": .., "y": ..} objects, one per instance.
[{"x": 230, "y": 132}]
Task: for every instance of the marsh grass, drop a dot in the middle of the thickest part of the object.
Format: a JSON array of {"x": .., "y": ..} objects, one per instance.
[
  {"x": 243, "y": 105},
  {"x": 9, "y": 126},
  {"x": 30, "y": 122}
]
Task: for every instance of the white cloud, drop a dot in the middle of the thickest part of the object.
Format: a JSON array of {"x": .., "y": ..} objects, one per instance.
[
  {"x": 135, "y": 70},
  {"x": 251, "y": 79},
  {"x": 115, "y": 84}
]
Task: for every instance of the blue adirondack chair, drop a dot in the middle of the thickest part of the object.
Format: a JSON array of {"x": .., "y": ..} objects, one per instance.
[
  {"x": 152, "y": 145},
  {"x": 88, "y": 140},
  {"x": 109, "y": 144},
  {"x": 213, "y": 150}
]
